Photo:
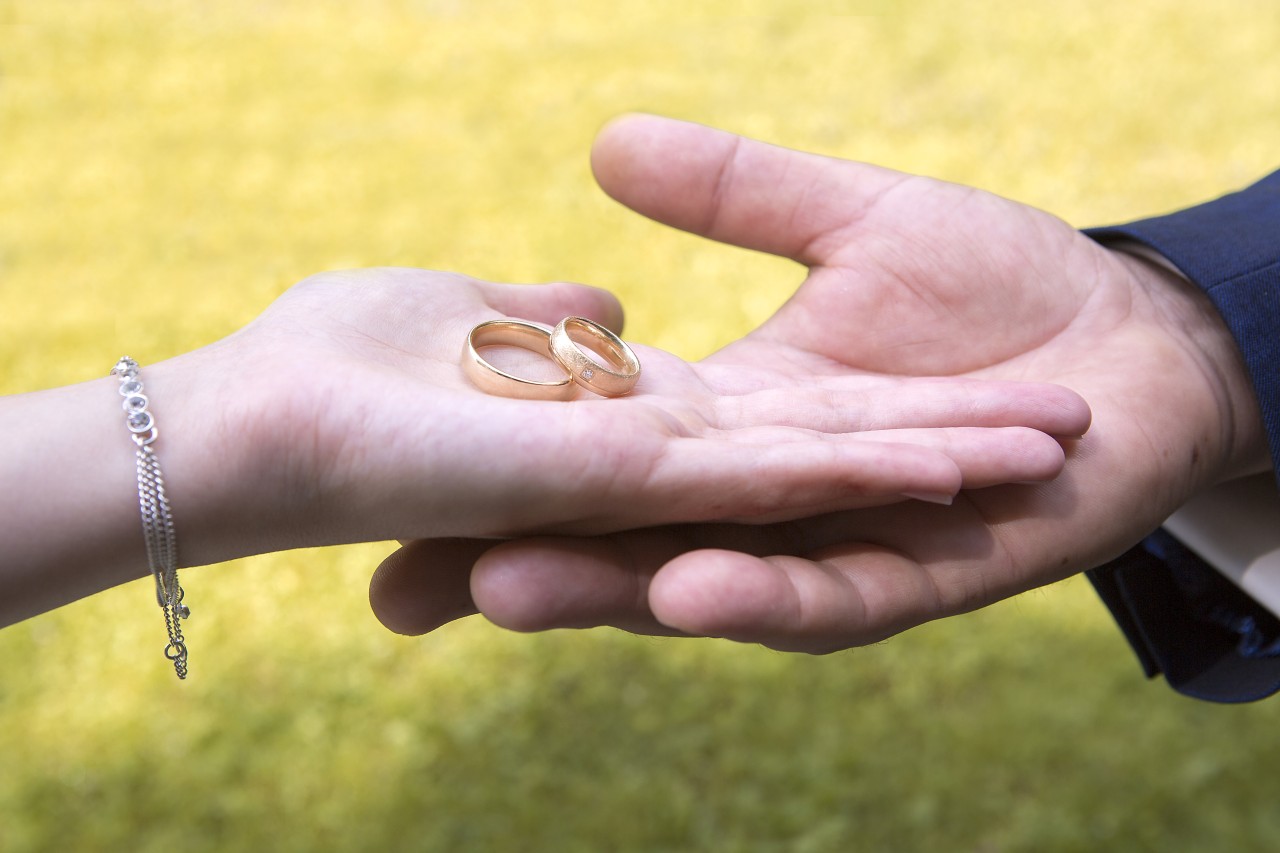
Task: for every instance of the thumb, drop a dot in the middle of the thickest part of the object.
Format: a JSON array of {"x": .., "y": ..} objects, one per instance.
[{"x": 733, "y": 189}]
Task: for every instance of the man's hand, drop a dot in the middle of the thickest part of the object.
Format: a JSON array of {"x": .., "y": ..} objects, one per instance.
[{"x": 908, "y": 277}]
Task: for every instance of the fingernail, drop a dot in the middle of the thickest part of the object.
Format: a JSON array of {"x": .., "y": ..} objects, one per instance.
[{"x": 944, "y": 498}]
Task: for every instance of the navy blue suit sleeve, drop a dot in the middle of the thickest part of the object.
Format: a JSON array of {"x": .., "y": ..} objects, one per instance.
[{"x": 1182, "y": 618}]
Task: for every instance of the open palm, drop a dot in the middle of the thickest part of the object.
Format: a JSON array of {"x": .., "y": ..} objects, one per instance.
[
  {"x": 909, "y": 277},
  {"x": 366, "y": 428}
]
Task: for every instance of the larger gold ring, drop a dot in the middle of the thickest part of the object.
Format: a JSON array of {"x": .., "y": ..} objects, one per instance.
[
  {"x": 514, "y": 333},
  {"x": 620, "y": 370}
]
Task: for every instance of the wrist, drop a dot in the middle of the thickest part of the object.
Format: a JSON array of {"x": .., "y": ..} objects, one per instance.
[
  {"x": 1227, "y": 415},
  {"x": 225, "y": 463}
]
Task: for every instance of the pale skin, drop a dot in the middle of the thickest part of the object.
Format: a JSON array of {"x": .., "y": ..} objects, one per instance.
[
  {"x": 960, "y": 283},
  {"x": 342, "y": 415}
]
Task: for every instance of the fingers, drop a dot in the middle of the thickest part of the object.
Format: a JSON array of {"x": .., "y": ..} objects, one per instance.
[
  {"x": 564, "y": 582},
  {"x": 763, "y": 477},
  {"x": 545, "y": 583},
  {"x": 768, "y": 474},
  {"x": 744, "y": 584},
  {"x": 862, "y": 404},
  {"x": 551, "y": 303},
  {"x": 986, "y": 457},
  {"x": 784, "y": 602},
  {"x": 814, "y": 586},
  {"x": 572, "y": 583},
  {"x": 844, "y": 580},
  {"x": 771, "y": 474},
  {"x": 542, "y": 583},
  {"x": 734, "y": 189},
  {"x": 425, "y": 584}
]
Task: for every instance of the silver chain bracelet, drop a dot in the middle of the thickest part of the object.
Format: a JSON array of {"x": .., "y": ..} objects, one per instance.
[{"x": 157, "y": 522}]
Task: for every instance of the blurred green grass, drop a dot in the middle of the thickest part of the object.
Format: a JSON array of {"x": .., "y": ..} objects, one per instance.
[{"x": 170, "y": 167}]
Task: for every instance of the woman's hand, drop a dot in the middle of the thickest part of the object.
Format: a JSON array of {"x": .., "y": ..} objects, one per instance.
[
  {"x": 365, "y": 427},
  {"x": 342, "y": 415}
]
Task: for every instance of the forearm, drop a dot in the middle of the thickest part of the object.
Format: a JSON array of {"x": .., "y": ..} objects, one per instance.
[{"x": 70, "y": 524}]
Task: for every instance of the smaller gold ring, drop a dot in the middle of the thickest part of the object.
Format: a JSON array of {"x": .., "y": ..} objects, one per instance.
[
  {"x": 620, "y": 370},
  {"x": 514, "y": 333}
]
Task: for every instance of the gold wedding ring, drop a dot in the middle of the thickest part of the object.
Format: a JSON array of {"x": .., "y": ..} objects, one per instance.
[
  {"x": 620, "y": 370},
  {"x": 614, "y": 375},
  {"x": 514, "y": 333}
]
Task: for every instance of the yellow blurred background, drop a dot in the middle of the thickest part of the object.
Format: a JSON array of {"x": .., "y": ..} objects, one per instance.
[{"x": 168, "y": 168}]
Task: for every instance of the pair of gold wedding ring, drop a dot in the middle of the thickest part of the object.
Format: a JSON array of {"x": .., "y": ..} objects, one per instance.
[{"x": 614, "y": 375}]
